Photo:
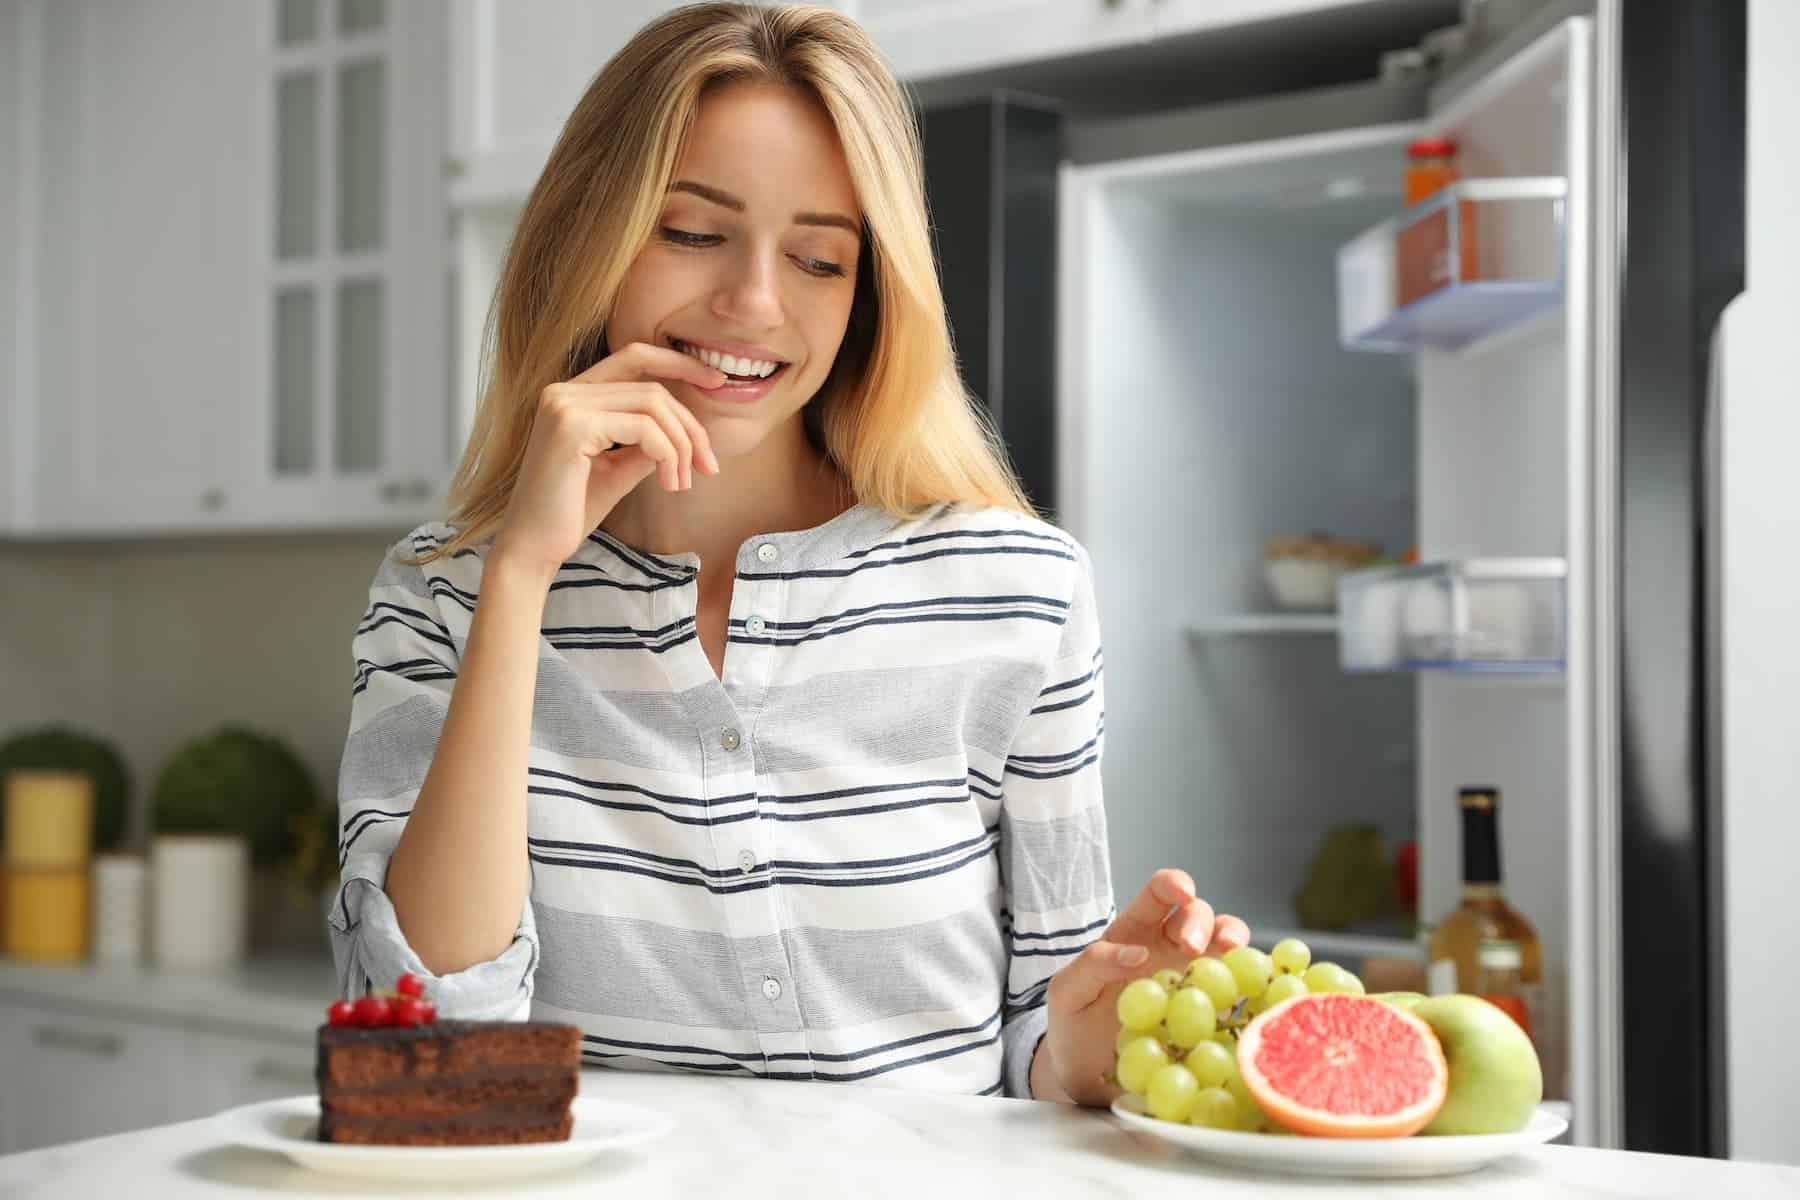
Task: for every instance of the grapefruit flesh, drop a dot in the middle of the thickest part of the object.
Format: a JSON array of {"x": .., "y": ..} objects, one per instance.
[{"x": 1339, "y": 1065}]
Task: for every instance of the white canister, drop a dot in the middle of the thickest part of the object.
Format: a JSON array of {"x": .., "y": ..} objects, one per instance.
[
  {"x": 118, "y": 907},
  {"x": 199, "y": 900}
]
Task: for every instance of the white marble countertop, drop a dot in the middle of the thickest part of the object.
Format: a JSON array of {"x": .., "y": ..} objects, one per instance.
[
  {"x": 755, "y": 1138},
  {"x": 284, "y": 998}
]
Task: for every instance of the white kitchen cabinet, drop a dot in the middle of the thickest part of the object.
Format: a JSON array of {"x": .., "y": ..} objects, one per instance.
[
  {"x": 72, "y": 1075},
  {"x": 923, "y": 38},
  {"x": 233, "y": 1069},
  {"x": 146, "y": 391},
  {"x": 69, "y": 1071}
]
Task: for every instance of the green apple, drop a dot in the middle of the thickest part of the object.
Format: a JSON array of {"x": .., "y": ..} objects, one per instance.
[
  {"x": 1495, "y": 1080},
  {"x": 1404, "y": 1000}
]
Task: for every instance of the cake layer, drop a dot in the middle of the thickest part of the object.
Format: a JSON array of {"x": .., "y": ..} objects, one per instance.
[
  {"x": 539, "y": 1087},
  {"x": 554, "y": 1127},
  {"x": 352, "y": 1056}
]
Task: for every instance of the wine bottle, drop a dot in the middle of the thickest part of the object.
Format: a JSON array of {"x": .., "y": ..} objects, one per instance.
[{"x": 1492, "y": 950}]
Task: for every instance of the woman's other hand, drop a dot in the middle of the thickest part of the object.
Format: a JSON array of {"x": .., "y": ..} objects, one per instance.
[{"x": 1167, "y": 925}]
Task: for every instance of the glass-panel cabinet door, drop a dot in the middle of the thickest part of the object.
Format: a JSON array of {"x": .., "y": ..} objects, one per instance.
[{"x": 356, "y": 333}]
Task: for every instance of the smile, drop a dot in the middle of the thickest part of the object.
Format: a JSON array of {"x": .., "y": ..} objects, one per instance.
[{"x": 731, "y": 364}]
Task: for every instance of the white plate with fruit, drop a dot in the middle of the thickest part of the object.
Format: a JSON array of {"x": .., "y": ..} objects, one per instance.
[{"x": 1270, "y": 1062}]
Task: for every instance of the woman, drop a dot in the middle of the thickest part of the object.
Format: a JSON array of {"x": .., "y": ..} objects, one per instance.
[{"x": 743, "y": 658}]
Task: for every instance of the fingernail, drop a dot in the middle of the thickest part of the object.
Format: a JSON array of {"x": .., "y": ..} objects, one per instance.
[
  {"x": 714, "y": 460},
  {"x": 1131, "y": 956}
]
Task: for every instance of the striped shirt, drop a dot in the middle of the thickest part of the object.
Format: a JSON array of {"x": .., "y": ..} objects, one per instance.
[{"x": 857, "y": 856}]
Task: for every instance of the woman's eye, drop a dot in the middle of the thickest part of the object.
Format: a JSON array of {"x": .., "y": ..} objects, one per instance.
[
  {"x": 682, "y": 237},
  {"x": 818, "y": 266}
]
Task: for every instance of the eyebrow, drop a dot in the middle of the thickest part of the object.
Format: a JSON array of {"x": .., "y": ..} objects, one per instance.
[{"x": 727, "y": 200}]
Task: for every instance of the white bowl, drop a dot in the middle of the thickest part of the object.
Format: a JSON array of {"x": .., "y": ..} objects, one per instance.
[{"x": 1304, "y": 582}]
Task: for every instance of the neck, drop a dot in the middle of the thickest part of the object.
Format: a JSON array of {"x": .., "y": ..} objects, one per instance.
[{"x": 784, "y": 483}]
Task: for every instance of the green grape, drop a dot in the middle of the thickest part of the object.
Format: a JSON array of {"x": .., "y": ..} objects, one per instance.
[
  {"x": 1284, "y": 987},
  {"x": 1210, "y": 1063},
  {"x": 1139, "y": 1061},
  {"x": 1172, "y": 1092},
  {"x": 1256, "y": 1007},
  {"x": 1214, "y": 1108},
  {"x": 1214, "y": 978},
  {"x": 1234, "y": 1083},
  {"x": 1169, "y": 977},
  {"x": 1125, "y": 1038},
  {"x": 1251, "y": 969},
  {"x": 1191, "y": 1018},
  {"x": 1290, "y": 956},
  {"x": 1226, "y": 1038},
  {"x": 1329, "y": 977},
  {"x": 1142, "y": 1004},
  {"x": 1251, "y": 1117}
]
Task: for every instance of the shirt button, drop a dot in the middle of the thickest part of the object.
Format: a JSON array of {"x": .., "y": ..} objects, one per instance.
[
  {"x": 755, "y": 626},
  {"x": 746, "y": 860},
  {"x": 767, "y": 552},
  {"x": 771, "y": 987},
  {"x": 729, "y": 739}
]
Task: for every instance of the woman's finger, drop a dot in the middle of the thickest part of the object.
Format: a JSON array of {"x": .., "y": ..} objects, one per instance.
[
  {"x": 1190, "y": 927},
  {"x": 641, "y": 360},
  {"x": 1228, "y": 934},
  {"x": 641, "y": 430},
  {"x": 1142, "y": 920}
]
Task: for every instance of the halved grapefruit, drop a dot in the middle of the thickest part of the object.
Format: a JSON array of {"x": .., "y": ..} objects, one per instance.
[{"x": 1340, "y": 1065}]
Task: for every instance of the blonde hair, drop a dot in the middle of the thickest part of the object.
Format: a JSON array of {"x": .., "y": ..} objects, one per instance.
[{"x": 892, "y": 415}]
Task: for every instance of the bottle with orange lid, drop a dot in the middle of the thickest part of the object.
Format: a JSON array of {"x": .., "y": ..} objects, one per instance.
[{"x": 1422, "y": 254}]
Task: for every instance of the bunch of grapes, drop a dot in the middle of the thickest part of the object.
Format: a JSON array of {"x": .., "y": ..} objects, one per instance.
[{"x": 1178, "y": 1033}]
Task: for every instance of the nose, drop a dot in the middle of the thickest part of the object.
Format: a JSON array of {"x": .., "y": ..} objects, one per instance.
[{"x": 750, "y": 298}]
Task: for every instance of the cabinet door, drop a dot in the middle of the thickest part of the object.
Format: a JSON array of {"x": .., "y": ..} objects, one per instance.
[
  {"x": 145, "y": 371},
  {"x": 350, "y": 415},
  {"x": 229, "y": 1070},
  {"x": 923, "y": 38},
  {"x": 91, "y": 1076},
  {"x": 517, "y": 71},
  {"x": 1172, "y": 17}
]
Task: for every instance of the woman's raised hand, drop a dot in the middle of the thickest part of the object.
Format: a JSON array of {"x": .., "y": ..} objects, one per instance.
[{"x": 595, "y": 438}]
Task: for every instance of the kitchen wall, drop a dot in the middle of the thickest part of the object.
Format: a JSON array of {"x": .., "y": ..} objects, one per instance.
[{"x": 154, "y": 642}]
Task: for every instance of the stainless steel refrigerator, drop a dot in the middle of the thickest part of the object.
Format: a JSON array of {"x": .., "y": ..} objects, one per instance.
[{"x": 1238, "y": 352}]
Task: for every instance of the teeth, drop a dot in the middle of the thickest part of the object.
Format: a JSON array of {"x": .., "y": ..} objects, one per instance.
[{"x": 731, "y": 364}]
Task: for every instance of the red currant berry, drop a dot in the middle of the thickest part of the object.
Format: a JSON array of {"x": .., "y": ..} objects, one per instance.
[
  {"x": 408, "y": 1011},
  {"x": 373, "y": 1010},
  {"x": 341, "y": 1012},
  {"x": 410, "y": 985},
  {"x": 427, "y": 1012}
]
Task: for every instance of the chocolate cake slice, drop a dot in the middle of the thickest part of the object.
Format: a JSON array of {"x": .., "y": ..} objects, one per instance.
[{"x": 448, "y": 1083}]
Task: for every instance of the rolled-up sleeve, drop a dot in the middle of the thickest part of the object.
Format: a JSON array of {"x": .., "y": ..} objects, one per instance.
[
  {"x": 1053, "y": 829},
  {"x": 405, "y": 667}
]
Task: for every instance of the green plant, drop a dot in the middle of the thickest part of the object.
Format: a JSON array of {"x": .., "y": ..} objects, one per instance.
[
  {"x": 237, "y": 781},
  {"x": 62, "y": 748}
]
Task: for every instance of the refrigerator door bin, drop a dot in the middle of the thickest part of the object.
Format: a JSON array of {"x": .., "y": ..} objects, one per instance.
[
  {"x": 1478, "y": 257},
  {"x": 1483, "y": 614}
]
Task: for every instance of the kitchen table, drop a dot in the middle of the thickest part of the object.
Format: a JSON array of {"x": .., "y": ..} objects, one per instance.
[{"x": 746, "y": 1138}]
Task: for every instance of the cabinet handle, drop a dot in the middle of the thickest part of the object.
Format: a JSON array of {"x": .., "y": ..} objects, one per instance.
[
  {"x": 212, "y": 499},
  {"x": 102, "y": 1045},
  {"x": 393, "y": 491},
  {"x": 421, "y": 489},
  {"x": 269, "y": 1070}
]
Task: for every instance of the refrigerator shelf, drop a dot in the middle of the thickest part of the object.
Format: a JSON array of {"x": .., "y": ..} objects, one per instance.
[
  {"x": 1260, "y": 623},
  {"x": 1496, "y": 615},
  {"x": 1339, "y": 947},
  {"x": 1477, "y": 258}
]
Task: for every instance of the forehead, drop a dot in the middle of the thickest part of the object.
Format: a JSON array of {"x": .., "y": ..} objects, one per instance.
[{"x": 771, "y": 144}]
